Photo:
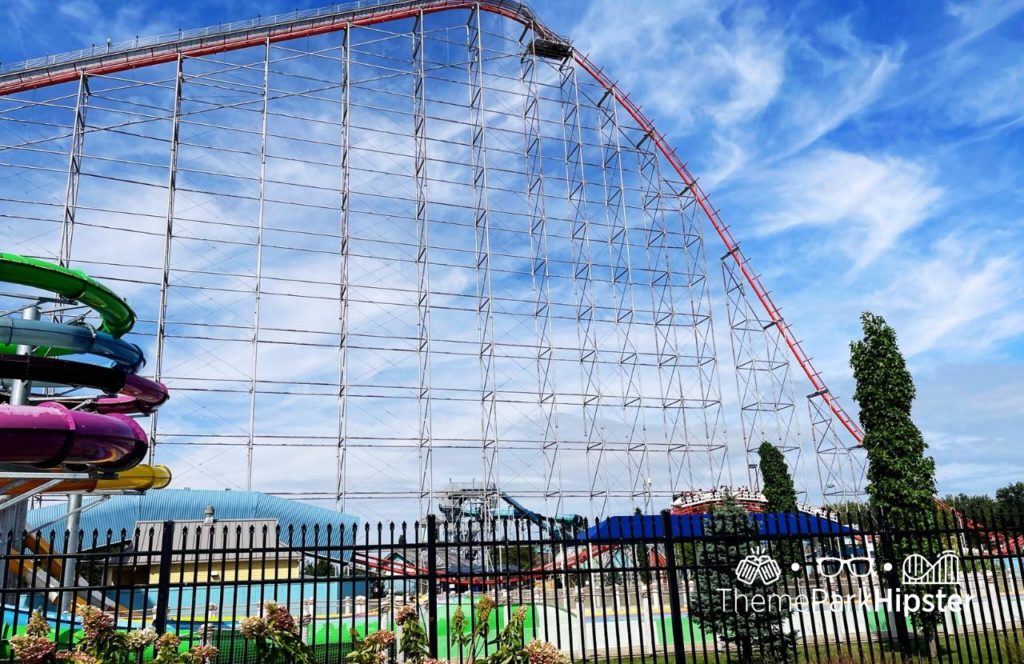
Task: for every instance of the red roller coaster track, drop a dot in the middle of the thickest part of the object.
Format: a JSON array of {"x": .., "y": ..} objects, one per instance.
[{"x": 96, "y": 62}]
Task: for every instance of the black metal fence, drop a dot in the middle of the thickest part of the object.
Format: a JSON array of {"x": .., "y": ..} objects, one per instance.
[{"x": 667, "y": 588}]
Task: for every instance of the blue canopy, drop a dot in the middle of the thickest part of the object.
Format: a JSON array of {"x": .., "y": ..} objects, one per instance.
[{"x": 692, "y": 526}]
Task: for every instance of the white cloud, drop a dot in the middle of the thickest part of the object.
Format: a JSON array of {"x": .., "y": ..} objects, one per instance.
[
  {"x": 993, "y": 98},
  {"x": 727, "y": 71},
  {"x": 874, "y": 200},
  {"x": 741, "y": 87},
  {"x": 956, "y": 289},
  {"x": 980, "y": 16}
]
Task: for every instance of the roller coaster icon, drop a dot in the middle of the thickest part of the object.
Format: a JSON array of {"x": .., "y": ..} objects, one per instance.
[{"x": 919, "y": 571}]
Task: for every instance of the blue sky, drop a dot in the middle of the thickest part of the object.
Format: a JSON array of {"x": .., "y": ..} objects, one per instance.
[{"x": 866, "y": 156}]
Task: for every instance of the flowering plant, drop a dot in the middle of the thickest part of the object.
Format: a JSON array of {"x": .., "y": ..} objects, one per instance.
[
  {"x": 277, "y": 636},
  {"x": 508, "y": 647},
  {"x": 34, "y": 646},
  {"x": 102, "y": 643}
]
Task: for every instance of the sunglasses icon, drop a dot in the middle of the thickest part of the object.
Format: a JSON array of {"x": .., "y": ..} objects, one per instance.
[{"x": 830, "y": 567}]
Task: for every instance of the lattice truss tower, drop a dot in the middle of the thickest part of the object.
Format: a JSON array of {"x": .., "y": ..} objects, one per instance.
[{"x": 376, "y": 249}]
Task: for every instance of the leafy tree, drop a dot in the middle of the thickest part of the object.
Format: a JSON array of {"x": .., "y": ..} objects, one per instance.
[
  {"x": 520, "y": 556},
  {"x": 1010, "y": 502},
  {"x": 778, "y": 484},
  {"x": 320, "y": 568},
  {"x": 778, "y": 489},
  {"x": 730, "y": 536},
  {"x": 847, "y": 511},
  {"x": 978, "y": 508},
  {"x": 901, "y": 478}
]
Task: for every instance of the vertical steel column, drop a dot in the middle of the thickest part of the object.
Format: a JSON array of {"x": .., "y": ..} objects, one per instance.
[
  {"x": 165, "y": 275},
  {"x": 21, "y": 389},
  {"x": 482, "y": 248},
  {"x": 762, "y": 376},
  {"x": 633, "y": 417},
  {"x": 67, "y": 229},
  {"x": 583, "y": 293},
  {"x": 250, "y": 447},
  {"x": 546, "y": 392},
  {"x": 341, "y": 471},
  {"x": 661, "y": 282},
  {"x": 709, "y": 427},
  {"x": 426, "y": 438}
]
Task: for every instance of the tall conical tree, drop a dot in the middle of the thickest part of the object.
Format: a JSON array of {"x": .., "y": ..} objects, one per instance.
[
  {"x": 901, "y": 478},
  {"x": 777, "y": 484},
  {"x": 778, "y": 489}
]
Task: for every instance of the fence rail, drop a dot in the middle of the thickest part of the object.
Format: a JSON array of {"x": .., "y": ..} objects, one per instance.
[{"x": 667, "y": 588}]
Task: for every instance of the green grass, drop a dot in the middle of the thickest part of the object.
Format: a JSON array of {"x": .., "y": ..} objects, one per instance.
[
  {"x": 961, "y": 648},
  {"x": 970, "y": 648}
]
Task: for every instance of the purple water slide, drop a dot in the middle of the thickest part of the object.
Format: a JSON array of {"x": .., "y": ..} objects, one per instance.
[
  {"x": 50, "y": 435},
  {"x": 139, "y": 395}
]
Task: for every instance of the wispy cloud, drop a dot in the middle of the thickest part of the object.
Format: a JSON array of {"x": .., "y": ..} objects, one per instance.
[
  {"x": 871, "y": 201},
  {"x": 959, "y": 295},
  {"x": 980, "y": 16}
]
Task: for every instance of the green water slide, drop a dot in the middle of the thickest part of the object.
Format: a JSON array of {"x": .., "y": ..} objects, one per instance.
[{"x": 117, "y": 317}]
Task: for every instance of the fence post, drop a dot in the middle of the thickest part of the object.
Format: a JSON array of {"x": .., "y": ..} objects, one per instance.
[
  {"x": 163, "y": 590},
  {"x": 675, "y": 606},
  {"x": 892, "y": 580},
  {"x": 432, "y": 584}
]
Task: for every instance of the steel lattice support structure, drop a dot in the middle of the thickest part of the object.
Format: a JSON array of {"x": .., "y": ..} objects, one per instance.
[
  {"x": 482, "y": 249},
  {"x": 763, "y": 383},
  {"x": 422, "y": 268},
  {"x": 547, "y": 393},
  {"x": 621, "y": 278},
  {"x": 404, "y": 243},
  {"x": 582, "y": 278},
  {"x": 344, "y": 190},
  {"x": 74, "y": 169}
]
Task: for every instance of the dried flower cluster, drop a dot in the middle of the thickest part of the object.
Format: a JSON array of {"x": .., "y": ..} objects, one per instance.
[
  {"x": 76, "y": 657},
  {"x": 406, "y": 614},
  {"x": 382, "y": 639},
  {"x": 95, "y": 623},
  {"x": 140, "y": 639},
  {"x": 277, "y": 636},
  {"x": 102, "y": 642},
  {"x": 168, "y": 640},
  {"x": 542, "y": 652},
  {"x": 203, "y": 654},
  {"x": 254, "y": 627},
  {"x": 278, "y": 618},
  {"x": 34, "y": 646}
]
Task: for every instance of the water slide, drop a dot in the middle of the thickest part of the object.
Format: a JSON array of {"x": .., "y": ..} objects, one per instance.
[
  {"x": 139, "y": 478},
  {"x": 96, "y": 432},
  {"x": 124, "y": 392}
]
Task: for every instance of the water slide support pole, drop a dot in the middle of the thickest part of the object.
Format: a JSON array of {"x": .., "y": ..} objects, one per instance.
[
  {"x": 70, "y": 570},
  {"x": 21, "y": 388}
]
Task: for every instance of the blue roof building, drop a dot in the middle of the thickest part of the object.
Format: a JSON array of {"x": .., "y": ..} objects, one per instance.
[{"x": 121, "y": 514}]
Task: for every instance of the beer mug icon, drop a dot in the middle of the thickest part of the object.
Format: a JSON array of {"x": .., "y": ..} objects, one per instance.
[{"x": 758, "y": 566}]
